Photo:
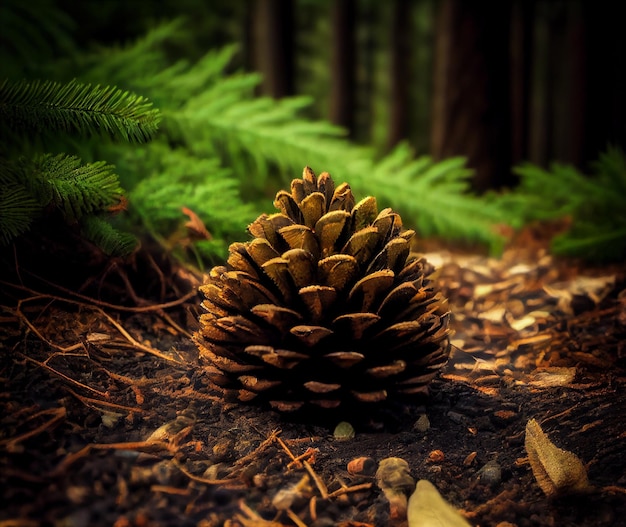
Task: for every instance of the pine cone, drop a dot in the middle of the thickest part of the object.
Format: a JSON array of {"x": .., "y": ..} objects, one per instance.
[{"x": 325, "y": 306}]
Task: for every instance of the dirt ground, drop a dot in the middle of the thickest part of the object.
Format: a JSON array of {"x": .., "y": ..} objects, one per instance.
[{"x": 106, "y": 418}]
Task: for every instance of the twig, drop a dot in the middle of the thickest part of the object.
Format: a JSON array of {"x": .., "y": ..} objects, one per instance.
[
  {"x": 94, "y": 403},
  {"x": 57, "y": 415},
  {"x": 170, "y": 490},
  {"x": 346, "y": 490},
  {"x": 295, "y": 518},
  {"x": 101, "y": 303},
  {"x": 255, "y": 453},
  {"x": 141, "y": 446},
  {"x": 63, "y": 376},
  {"x": 200, "y": 479},
  {"x": 321, "y": 486}
]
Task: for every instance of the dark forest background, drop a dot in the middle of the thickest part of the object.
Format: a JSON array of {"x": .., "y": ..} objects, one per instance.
[
  {"x": 497, "y": 82},
  {"x": 429, "y": 105}
]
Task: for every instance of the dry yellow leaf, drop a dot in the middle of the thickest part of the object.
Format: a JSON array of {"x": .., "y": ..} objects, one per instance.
[
  {"x": 428, "y": 509},
  {"x": 557, "y": 471}
]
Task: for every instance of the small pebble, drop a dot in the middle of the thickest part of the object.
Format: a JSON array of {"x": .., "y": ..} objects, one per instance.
[
  {"x": 436, "y": 456},
  {"x": 222, "y": 449},
  {"x": 343, "y": 431},
  {"x": 491, "y": 473},
  {"x": 422, "y": 424}
]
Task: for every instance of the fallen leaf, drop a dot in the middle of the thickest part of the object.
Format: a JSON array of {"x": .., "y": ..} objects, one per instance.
[
  {"x": 557, "y": 471},
  {"x": 593, "y": 288},
  {"x": 196, "y": 226},
  {"x": 549, "y": 377},
  {"x": 428, "y": 509},
  {"x": 394, "y": 478}
]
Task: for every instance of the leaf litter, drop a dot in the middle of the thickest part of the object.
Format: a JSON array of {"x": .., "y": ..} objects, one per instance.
[{"x": 105, "y": 420}]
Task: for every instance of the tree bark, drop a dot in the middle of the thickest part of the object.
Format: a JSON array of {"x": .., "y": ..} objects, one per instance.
[
  {"x": 273, "y": 46},
  {"x": 471, "y": 88},
  {"x": 401, "y": 79},
  {"x": 343, "y": 63}
]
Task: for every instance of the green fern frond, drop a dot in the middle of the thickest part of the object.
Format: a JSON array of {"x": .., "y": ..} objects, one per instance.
[
  {"x": 18, "y": 209},
  {"x": 596, "y": 205},
  {"x": 111, "y": 241},
  {"x": 76, "y": 189},
  {"x": 179, "y": 179},
  {"x": 214, "y": 114},
  {"x": 434, "y": 196},
  {"x": 75, "y": 108},
  {"x": 136, "y": 64}
]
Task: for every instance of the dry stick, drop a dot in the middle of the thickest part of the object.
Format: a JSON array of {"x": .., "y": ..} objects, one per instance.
[
  {"x": 93, "y": 301},
  {"x": 118, "y": 326},
  {"x": 24, "y": 319},
  {"x": 200, "y": 479},
  {"x": 313, "y": 508},
  {"x": 142, "y": 446},
  {"x": 283, "y": 445},
  {"x": 57, "y": 415},
  {"x": 321, "y": 486},
  {"x": 170, "y": 490},
  {"x": 63, "y": 376},
  {"x": 295, "y": 518},
  {"x": 94, "y": 403},
  {"x": 177, "y": 327},
  {"x": 251, "y": 516},
  {"x": 136, "y": 344},
  {"x": 346, "y": 490},
  {"x": 309, "y": 454}
]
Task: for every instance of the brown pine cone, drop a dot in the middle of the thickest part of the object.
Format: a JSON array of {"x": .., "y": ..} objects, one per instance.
[{"x": 324, "y": 307}]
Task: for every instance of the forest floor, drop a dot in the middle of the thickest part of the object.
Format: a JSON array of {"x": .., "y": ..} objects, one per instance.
[{"x": 105, "y": 417}]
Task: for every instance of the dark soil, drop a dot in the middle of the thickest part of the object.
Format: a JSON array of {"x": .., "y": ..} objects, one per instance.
[{"x": 106, "y": 418}]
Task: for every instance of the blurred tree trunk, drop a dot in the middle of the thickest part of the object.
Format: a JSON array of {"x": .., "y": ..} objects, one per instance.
[
  {"x": 605, "y": 77},
  {"x": 401, "y": 79},
  {"x": 471, "y": 88},
  {"x": 343, "y": 63},
  {"x": 273, "y": 46},
  {"x": 521, "y": 49}
]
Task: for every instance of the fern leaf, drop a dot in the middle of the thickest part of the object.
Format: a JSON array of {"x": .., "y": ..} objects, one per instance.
[
  {"x": 111, "y": 241},
  {"x": 595, "y": 203},
  {"x": 434, "y": 196},
  {"x": 83, "y": 109},
  {"x": 74, "y": 188},
  {"x": 180, "y": 179},
  {"x": 18, "y": 209}
]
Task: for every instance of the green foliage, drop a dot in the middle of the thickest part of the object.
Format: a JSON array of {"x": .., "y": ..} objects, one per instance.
[
  {"x": 179, "y": 179},
  {"x": 74, "y": 188},
  {"x": 435, "y": 196},
  {"x": 41, "y": 183},
  {"x": 18, "y": 208},
  {"x": 223, "y": 152},
  {"x": 595, "y": 204},
  {"x": 78, "y": 109},
  {"x": 31, "y": 33},
  {"x": 110, "y": 240},
  {"x": 213, "y": 115}
]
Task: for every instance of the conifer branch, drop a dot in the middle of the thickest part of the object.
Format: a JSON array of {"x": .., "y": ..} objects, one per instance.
[
  {"x": 76, "y": 189},
  {"x": 76, "y": 108},
  {"x": 18, "y": 209},
  {"x": 111, "y": 241}
]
